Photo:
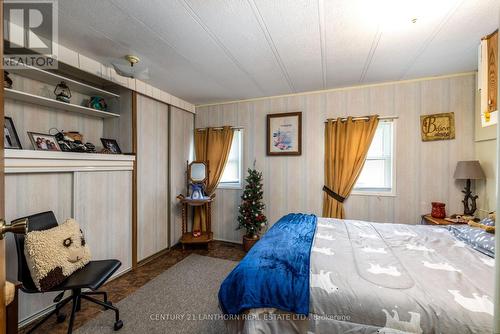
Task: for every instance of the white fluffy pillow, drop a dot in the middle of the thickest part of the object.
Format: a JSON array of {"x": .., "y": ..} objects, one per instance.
[{"x": 54, "y": 254}]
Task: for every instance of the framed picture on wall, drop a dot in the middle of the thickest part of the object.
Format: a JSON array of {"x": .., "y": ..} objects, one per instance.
[
  {"x": 43, "y": 142},
  {"x": 284, "y": 134},
  {"x": 10, "y": 137}
]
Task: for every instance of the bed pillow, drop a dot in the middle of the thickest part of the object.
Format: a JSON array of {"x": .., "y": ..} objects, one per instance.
[
  {"x": 490, "y": 220},
  {"x": 487, "y": 224},
  {"x": 487, "y": 228},
  {"x": 54, "y": 254},
  {"x": 476, "y": 237}
]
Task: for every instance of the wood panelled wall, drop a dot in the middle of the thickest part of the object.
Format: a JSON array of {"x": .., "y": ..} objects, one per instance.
[
  {"x": 120, "y": 128},
  {"x": 152, "y": 176},
  {"x": 50, "y": 191},
  {"x": 35, "y": 118},
  {"x": 99, "y": 201},
  {"x": 182, "y": 127},
  {"x": 102, "y": 201},
  {"x": 293, "y": 184}
]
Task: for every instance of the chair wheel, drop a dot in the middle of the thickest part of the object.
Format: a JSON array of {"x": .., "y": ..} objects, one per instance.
[
  {"x": 118, "y": 325},
  {"x": 60, "y": 318}
]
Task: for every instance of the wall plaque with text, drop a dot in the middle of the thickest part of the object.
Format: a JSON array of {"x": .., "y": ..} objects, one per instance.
[{"x": 437, "y": 126}]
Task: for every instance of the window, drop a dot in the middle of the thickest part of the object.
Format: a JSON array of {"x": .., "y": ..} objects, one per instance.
[
  {"x": 232, "y": 175},
  {"x": 377, "y": 174}
]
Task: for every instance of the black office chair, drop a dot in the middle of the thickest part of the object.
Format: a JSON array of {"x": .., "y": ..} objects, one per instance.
[{"x": 92, "y": 276}]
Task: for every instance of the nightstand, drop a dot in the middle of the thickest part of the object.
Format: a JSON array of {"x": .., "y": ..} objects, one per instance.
[{"x": 429, "y": 220}]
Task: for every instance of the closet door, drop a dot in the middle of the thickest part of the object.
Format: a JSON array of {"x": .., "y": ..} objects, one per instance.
[
  {"x": 182, "y": 147},
  {"x": 152, "y": 177}
]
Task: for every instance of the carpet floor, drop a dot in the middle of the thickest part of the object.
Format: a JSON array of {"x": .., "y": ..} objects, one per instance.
[{"x": 181, "y": 300}]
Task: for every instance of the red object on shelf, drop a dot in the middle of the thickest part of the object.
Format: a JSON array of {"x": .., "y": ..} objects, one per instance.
[{"x": 438, "y": 210}]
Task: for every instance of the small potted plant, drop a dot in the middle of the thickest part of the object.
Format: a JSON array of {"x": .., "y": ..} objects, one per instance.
[{"x": 251, "y": 216}]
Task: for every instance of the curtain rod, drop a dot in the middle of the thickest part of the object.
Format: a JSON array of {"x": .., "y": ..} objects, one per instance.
[
  {"x": 382, "y": 118},
  {"x": 237, "y": 128}
]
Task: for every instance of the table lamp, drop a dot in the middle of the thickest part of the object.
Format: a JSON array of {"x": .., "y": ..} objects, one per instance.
[{"x": 469, "y": 170}]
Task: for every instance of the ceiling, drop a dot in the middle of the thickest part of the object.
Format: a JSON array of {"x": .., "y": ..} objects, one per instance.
[{"x": 207, "y": 51}]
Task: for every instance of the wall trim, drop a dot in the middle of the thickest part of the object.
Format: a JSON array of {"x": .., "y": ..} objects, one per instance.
[
  {"x": 134, "y": 180},
  {"x": 387, "y": 83},
  {"x": 153, "y": 257},
  {"x": 169, "y": 176},
  {"x": 239, "y": 242}
]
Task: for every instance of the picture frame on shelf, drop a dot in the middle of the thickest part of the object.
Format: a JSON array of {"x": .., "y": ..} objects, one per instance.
[
  {"x": 284, "y": 134},
  {"x": 43, "y": 142},
  {"x": 111, "y": 145},
  {"x": 10, "y": 137}
]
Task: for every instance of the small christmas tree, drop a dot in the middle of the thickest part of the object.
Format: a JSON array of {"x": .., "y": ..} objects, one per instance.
[{"x": 251, "y": 215}]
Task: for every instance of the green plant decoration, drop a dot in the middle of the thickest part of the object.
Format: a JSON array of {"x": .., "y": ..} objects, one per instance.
[{"x": 251, "y": 216}]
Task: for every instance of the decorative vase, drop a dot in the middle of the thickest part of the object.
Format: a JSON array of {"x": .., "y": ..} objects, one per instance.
[
  {"x": 248, "y": 242},
  {"x": 197, "y": 191},
  {"x": 438, "y": 210}
]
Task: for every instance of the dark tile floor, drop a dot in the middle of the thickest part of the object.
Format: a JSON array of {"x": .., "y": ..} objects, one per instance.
[{"x": 133, "y": 280}]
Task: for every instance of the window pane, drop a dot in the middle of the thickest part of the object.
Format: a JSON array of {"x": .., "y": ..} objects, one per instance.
[
  {"x": 381, "y": 143},
  {"x": 372, "y": 175},
  {"x": 232, "y": 171},
  {"x": 377, "y": 171},
  {"x": 377, "y": 145}
]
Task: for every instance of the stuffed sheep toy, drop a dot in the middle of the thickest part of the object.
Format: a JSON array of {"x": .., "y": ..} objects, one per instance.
[{"x": 54, "y": 254}]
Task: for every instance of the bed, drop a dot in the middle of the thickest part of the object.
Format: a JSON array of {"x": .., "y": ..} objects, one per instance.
[{"x": 320, "y": 275}]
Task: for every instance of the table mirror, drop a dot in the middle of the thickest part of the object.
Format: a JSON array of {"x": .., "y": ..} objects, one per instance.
[{"x": 197, "y": 172}]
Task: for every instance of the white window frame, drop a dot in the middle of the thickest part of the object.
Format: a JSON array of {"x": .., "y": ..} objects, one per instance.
[
  {"x": 239, "y": 184},
  {"x": 377, "y": 191}
]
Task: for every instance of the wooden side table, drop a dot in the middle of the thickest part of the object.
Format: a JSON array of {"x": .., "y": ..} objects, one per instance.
[
  {"x": 429, "y": 220},
  {"x": 187, "y": 236}
]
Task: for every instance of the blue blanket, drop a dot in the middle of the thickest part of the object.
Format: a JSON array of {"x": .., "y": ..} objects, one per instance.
[{"x": 275, "y": 272}]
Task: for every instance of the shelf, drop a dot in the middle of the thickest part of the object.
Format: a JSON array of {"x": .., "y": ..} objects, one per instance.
[
  {"x": 53, "y": 79},
  {"x": 30, "y": 161},
  {"x": 205, "y": 237},
  {"x": 51, "y": 103}
]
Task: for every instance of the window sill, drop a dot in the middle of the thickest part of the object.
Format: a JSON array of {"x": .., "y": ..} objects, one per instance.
[
  {"x": 230, "y": 186},
  {"x": 373, "y": 193}
]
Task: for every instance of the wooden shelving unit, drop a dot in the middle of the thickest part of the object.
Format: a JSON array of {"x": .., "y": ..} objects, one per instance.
[
  {"x": 52, "y": 103},
  {"x": 53, "y": 79},
  {"x": 29, "y": 161}
]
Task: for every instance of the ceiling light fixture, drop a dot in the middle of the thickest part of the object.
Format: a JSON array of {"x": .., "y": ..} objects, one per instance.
[
  {"x": 132, "y": 59},
  {"x": 129, "y": 67}
]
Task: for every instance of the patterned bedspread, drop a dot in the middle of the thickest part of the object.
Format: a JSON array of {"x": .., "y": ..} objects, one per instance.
[{"x": 387, "y": 278}]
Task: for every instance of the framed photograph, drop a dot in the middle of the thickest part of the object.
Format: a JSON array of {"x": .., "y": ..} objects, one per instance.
[
  {"x": 111, "y": 145},
  {"x": 43, "y": 142},
  {"x": 10, "y": 137},
  {"x": 284, "y": 134}
]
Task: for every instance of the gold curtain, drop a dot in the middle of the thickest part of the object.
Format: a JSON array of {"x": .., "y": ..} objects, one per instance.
[
  {"x": 212, "y": 145},
  {"x": 346, "y": 145}
]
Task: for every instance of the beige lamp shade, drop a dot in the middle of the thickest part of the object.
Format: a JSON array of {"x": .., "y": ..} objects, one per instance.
[{"x": 469, "y": 170}]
